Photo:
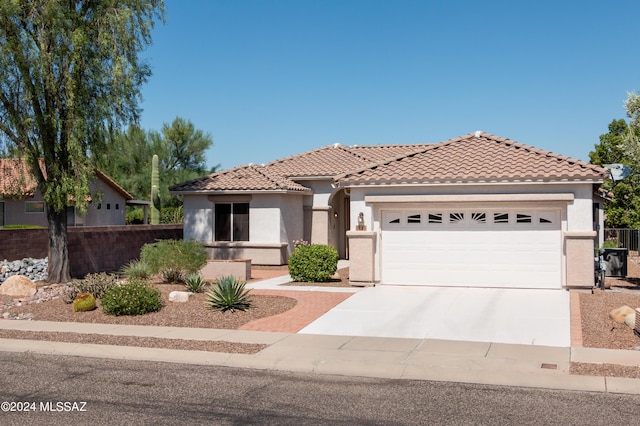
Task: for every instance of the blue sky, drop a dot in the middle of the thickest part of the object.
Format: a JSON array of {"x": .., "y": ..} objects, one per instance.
[{"x": 272, "y": 78}]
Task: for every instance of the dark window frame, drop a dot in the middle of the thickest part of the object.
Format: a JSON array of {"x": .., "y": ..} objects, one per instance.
[{"x": 231, "y": 222}]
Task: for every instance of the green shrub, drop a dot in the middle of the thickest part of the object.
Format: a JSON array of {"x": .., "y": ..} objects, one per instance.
[
  {"x": 174, "y": 259},
  {"x": 228, "y": 294},
  {"x": 134, "y": 215},
  {"x": 170, "y": 215},
  {"x": 135, "y": 297},
  {"x": 94, "y": 284},
  {"x": 313, "y": 263},
  {"x": 20, "y": 227},
  {"x": 194, "y": 283},
  {"x": 84, "y": 302},
  {"x": 136, "y": 269}
]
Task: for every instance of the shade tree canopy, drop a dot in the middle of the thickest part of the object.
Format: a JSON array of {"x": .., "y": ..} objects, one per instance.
[{"x": 68, "y": 70}]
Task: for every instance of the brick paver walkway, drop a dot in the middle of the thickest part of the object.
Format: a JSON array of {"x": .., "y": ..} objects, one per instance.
[
  {"x": 575, "y": 319},
  {"x": 311, "y": 305}
]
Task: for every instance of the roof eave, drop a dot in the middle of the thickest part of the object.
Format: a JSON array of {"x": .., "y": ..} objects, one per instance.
[
  {"x": 311, "y": 177},
  {"x": 241, "y": 191},
  {"x": 524, "y": 180}
]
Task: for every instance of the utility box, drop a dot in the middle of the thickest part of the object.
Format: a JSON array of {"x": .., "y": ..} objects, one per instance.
[{"x": 616, "y": 260}]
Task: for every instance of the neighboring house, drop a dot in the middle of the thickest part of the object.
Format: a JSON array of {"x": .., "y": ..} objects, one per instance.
[
  {"x": 478, "y": 210},
  {"x": 21, "y": 201}
]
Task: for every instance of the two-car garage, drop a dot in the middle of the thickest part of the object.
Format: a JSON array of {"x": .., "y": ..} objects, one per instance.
[{"x": 483, "y": 246}]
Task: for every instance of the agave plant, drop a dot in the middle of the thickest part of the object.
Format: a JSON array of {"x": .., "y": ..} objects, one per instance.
[
  {"x": 136, "y": 269},
  {"x": 228, "y": 294},
  {"x": 194, "y": 283}
]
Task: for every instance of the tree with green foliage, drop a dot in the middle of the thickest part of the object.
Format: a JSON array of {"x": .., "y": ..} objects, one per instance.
[
  {"x": 632, "y": 105},
  {"x": 127, "y": 159},
  {"x": 69, "y": 69},
  {"x": 181, "y": 149},
  {"x": 623, "y": 210}
]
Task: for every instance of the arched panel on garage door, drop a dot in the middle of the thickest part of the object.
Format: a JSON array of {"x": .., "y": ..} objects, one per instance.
[{"x": 472, "y": 247}]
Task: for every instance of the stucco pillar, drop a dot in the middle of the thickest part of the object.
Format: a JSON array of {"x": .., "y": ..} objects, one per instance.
[
  {"x": 579, "y": 253},
  {"x": 320, "y": 224},
  {"x": 362, "y": 246}
]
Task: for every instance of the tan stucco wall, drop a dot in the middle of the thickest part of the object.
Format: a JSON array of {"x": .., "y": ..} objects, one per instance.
[
  {"x": 362, "y": 247},
  {"x": 259, "y": 254},
  {"x": 238, "y": 268},
  {"x": 580, "y": 257}
]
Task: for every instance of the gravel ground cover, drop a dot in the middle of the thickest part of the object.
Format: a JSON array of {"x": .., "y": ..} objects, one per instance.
[{"x": 599, "y": 331}]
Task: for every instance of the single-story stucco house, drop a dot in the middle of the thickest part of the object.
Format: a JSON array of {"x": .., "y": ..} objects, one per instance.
[
  {"x": 478, "y": 210},
  {"x": 21, "y": 201}
]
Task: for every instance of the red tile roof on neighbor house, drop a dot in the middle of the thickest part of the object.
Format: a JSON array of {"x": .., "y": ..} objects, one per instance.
[
  {"x": 16, "y": 180},
  {"x": 475, "y": 157}
]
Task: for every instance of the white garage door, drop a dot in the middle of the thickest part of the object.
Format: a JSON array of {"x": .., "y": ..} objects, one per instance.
[{"x": 472, "y": 247}]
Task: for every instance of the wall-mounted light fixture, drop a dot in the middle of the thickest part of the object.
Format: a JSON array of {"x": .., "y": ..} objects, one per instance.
[{"x": 361, "y": 226}]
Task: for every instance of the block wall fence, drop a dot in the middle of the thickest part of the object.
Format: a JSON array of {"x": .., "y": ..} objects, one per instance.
[{"x": 91, "y": 248}]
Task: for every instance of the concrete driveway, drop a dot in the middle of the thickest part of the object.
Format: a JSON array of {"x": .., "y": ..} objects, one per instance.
[{"x": 531, "y": 317}]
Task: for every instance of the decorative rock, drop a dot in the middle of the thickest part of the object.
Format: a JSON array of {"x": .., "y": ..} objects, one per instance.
[
  {"x": 619, "y": 314},
  {"x": 180, "y": 296},
  {"x": 630, "y": 320},
  {"x": 34, "y": 269},
  {"x": 18, "y": 285}
]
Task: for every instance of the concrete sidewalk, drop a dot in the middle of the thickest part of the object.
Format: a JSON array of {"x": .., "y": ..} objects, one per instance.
[{"x": 417, "y": 359}]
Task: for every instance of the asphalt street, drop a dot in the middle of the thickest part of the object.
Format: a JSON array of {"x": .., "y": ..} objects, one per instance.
[{"x": 74, "y": 390}]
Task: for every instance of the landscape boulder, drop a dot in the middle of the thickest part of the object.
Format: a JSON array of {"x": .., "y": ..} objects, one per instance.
[
  {"x": 180, "y": 296},
  {"x": 619, "y": 314},
  {"x": 18, "y": 286},
  {"x": 630, "y": 320}
]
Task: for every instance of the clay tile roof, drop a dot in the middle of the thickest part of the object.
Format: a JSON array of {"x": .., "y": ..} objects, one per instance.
[
  {"x": 16, "y": 179},
  {"x": 327, "y": 161},
  {"x": 243, "y": 178},
  {"x": 278, "y": 175},
  {"x": 476, "y": 157},
  {"x": 377, "y": 153}
]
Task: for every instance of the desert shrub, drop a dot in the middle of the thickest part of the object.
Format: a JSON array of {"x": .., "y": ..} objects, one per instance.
[
  {"x": 136, "y": 269},
  {"x": 169, "y": 215},
  {"x": 228, "y": 294},
  {"x": 134, "y": 215},
  {"x": 84, "y": 302},
  {"x": 194, "y": 283},
  {"x": 313, "y": 263},
  {"x": 135, "y": 297},
  {"x": 94, "y": 284},
  {"x": 174, "y": 259}
]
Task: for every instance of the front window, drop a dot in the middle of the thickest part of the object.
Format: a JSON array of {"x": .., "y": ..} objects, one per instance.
[
  {"x": 231, "y": 222},
  {"x": 34, "y": 207}
]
